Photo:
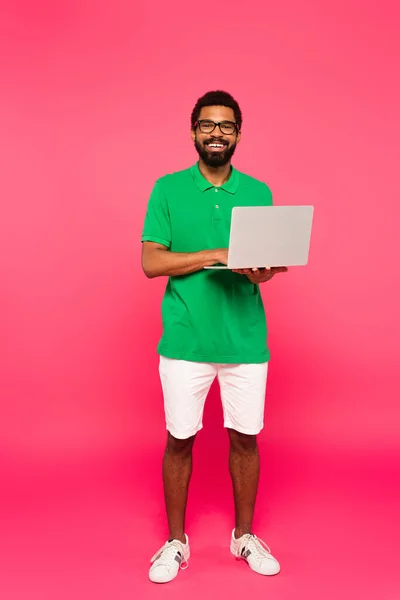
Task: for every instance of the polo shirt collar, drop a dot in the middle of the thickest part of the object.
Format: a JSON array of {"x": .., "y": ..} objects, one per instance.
[{"x": 229, "y": 186}]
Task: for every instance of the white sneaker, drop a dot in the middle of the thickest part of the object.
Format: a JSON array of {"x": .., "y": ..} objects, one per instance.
[
  {"x": 256, "y": 552},
  {"x": 168, "y": 560}
]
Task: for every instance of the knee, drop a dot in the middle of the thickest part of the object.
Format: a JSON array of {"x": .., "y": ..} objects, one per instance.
[
  {"x": 241, "y": 442},
  {"x": 179, "y": 447}
]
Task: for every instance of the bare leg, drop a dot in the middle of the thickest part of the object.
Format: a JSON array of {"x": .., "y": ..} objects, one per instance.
[
  {"x": 177, "y": 470},
  {"x": 244, "y": 466}
]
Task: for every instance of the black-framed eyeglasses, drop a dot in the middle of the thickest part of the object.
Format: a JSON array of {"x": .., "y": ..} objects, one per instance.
[{"x": 225, "y": 127}]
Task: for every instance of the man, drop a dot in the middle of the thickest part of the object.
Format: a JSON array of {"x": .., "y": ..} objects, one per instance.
[{"x": 214, "y": 326}]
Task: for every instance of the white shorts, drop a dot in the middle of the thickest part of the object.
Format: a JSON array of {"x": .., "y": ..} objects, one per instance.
[{"x": 186, "y": 385}]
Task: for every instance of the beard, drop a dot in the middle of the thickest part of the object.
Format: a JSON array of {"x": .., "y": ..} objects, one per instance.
[{"x": 215, "y": 159}]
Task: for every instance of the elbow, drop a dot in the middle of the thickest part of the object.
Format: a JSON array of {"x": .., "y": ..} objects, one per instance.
[
  {"x": 151, "y": 263},
  {"x": 150, "y": 273}
]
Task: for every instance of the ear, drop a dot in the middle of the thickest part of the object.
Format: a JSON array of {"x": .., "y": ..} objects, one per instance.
[
  {"x": 238, "y": 137},
  {"x": 193, "y": 134}
]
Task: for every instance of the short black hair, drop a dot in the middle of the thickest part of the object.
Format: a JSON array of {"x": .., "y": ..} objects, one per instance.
[{"x": 217, "y": 98}]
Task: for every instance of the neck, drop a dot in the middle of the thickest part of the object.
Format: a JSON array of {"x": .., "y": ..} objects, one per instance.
[{"x": 215, "y": 175}]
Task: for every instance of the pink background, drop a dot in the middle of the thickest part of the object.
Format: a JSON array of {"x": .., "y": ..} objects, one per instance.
[{"x": 95, "y": 105}]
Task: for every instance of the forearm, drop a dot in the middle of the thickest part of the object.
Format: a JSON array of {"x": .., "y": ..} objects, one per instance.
[{"x": 171, "y": 264}]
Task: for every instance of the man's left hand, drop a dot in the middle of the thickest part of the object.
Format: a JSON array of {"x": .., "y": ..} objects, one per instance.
[{"x": 260, "y": 275}]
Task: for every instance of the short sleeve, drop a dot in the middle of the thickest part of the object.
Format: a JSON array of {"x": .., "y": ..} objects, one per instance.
[
  {"x": 268, "y": 196},
  {"x": 157, "y": 225}
]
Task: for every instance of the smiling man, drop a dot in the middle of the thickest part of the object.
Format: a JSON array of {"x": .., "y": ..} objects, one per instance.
[{"x": 213, "y": 326}]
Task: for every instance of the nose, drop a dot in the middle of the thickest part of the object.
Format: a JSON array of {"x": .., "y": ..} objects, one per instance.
[{"x": 218, "y": 131}]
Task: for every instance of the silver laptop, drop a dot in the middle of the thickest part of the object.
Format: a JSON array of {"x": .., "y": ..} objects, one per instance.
[{"x": 269, "y": 236}]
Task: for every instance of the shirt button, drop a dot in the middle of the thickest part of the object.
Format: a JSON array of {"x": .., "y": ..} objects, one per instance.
[
  {"x": 216, "y": 190},
  {"x": 216, "y": 206}
]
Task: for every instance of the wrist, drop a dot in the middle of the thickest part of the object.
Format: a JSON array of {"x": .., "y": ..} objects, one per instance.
[{"x": 208, "y": 257}]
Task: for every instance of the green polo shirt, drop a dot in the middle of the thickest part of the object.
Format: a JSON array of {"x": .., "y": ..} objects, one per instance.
[{"x": 209, "y": 316}]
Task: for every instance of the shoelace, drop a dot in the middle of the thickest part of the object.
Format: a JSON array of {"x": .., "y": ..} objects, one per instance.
[
  {"x": 168, "y": 552},
  {"x": 261, "y": 548}
]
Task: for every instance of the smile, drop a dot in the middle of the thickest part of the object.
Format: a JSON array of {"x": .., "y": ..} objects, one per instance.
[{"x": 216, "y": 147}]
